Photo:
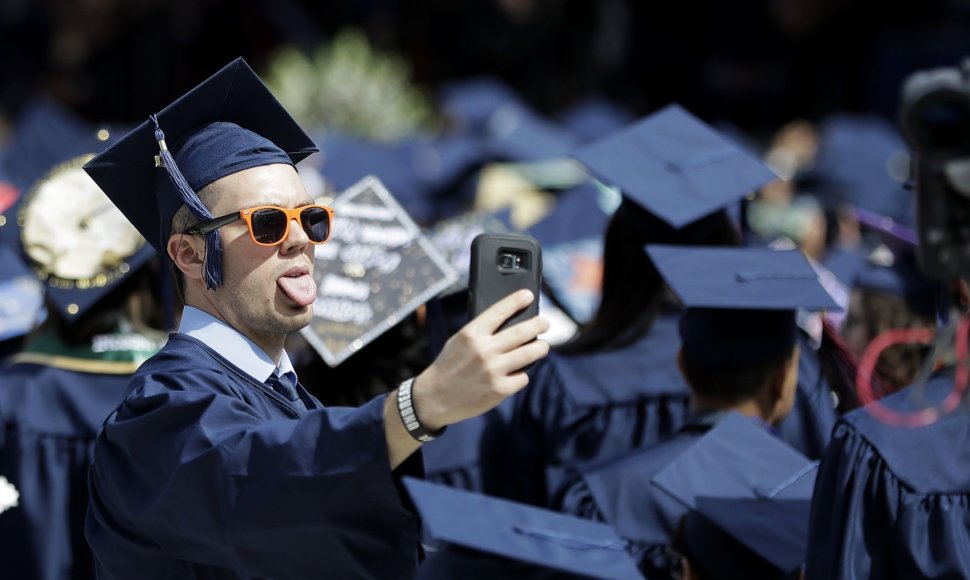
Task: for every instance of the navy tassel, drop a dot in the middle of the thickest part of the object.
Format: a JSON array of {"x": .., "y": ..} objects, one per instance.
[{"x": 213, "y": 245}]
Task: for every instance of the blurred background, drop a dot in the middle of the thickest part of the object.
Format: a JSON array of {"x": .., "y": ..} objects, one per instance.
[{"x": 754, "y": 63}]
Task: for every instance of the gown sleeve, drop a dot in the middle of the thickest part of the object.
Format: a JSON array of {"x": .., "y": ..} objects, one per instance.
[{"x": 205, "y": 477}]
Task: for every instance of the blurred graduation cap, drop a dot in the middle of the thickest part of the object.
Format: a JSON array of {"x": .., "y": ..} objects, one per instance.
[
  {"x": 595, "y": 117},
  {"x": 515, "y": 132},
  {"x": 891, "y": 268},
  {"x": 862, "y": 161},
  {"x": 65, "y": 229},
  {"x": 45, "y": 135},
  {"x": 749, "y": 494},
  {"x": 520, "y": 533},
  {"x": 78, "y": 244},
  {"x": 418, "y": 169},
  {"x": 675, "y": 166},
  {"x": 228, "y": 123},
  {"x": 740, "y": 302},
  {"x": 471, "y": 102}
]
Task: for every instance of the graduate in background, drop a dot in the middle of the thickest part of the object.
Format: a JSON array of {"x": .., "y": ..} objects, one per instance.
[
  {"x": 739, "y": 352},
  {"x": 218, "y": 463},
  {"x": 615, "y": 387},
  {"x": 749, "y": 496},
  {"x": 104, "y": 318}
]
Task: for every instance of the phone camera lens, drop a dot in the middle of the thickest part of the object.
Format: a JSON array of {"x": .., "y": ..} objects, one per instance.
[{"x": 507, "y": 261}]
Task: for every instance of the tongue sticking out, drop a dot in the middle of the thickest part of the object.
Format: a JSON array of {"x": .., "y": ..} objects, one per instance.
[{"x": 300, "y": 289}]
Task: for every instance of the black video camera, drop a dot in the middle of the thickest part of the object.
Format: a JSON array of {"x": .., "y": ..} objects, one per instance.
[{"x": 934, "y": 118}]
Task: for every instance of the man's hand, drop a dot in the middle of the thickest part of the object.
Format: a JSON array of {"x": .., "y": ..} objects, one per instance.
[{"x": 478, "y": 368}]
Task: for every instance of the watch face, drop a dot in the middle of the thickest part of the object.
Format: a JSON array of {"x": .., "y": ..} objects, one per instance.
[{"x": 72, "y": 233}]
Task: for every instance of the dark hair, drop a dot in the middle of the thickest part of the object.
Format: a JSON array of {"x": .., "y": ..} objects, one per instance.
[
  {"x": 181, "y": 221},
  {"x": 136, "y": 300},
  {"x": 731, "y": 385},
  {"x": 633, "y": 293},
  {"x": 876, "y": 313}
]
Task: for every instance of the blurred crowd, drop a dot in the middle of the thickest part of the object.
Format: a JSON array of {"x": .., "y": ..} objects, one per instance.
[{"x": 531, "y": 116}]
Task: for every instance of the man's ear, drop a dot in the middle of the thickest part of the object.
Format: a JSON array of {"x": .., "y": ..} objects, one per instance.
[{"x": 188, "y": 254}]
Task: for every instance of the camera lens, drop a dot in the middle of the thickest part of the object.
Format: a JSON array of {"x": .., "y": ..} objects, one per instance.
[{"x": 507, "y": 261}]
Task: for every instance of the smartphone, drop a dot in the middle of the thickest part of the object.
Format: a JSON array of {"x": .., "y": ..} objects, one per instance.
[{"x": 500, "y": 265}]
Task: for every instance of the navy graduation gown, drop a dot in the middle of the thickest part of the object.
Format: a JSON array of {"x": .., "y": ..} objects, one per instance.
[
  {"x": 808, "y": 427},
  {"x": 455, "y": 459},
  {"x": 49, "y": 418},
  {"x": 618, "y": 492},
  {"x": 587, "y": 407},
  {"x": 203, "y": 472},
  {"x": 894, "y": 502}
]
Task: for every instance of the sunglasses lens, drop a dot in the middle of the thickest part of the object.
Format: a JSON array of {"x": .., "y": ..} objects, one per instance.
[
  {"x": 316, "y": 223},
  {"x": 268, "y": 225}
]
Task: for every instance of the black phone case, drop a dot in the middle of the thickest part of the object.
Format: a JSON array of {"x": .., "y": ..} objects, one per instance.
[{"x": 490, "y": 280}]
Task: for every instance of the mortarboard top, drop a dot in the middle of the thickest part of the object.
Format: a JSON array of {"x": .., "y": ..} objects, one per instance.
[
  {"x": 750, "y": 485},
  {"x": 675, "y": 166},
  {"x": 204, "y": 149},
  {"x": 741, "y": 278},
  {"x": 520, "y": 532},
  {"x": 864, "y": 162},
  {"x": 741, "y": 302}
]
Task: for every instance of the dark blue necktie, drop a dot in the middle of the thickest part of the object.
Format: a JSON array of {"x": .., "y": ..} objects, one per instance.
[{"x": 285, "y": 385}]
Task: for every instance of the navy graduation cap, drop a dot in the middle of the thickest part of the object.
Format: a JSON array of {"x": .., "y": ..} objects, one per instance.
[
  {"x": 741, "y": 302},
  {"x": 517, "y": 133},
  {"x": 78, "y": 244},
  {"x": 749, "y": 494},
  {"x": 675, "y": 166},
  {"x": 472, "y": 101},
  {"x": 863, "y": 161},
  {"x": 229, "y": 123},
  {"x": 520, "y": 532}
]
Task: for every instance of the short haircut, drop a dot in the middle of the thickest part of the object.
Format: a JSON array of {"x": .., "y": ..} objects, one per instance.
[{"x": 183, "y": 220}]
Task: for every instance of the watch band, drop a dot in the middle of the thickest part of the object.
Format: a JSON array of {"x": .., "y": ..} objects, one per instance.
[{"x": 405, "y": 408}]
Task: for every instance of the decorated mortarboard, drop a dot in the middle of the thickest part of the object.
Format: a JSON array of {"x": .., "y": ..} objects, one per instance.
[
  {"x": 675, "y": 166},
  {"x": 377, "y": 268},
  {"x": 21, "y": 296},
  {"x": 864, "y": 162},
  {"x": 891, "y": 268},
  {"x": 741, "y": 302},
  {"x": 46, "y": 134},
  {"x": 77, "y": 242},
  {"x": 749, "y": 486},
  {"x": 520, "y": 532},
  {"x": 453, "y": 238},
  {"x": 595, "y": 117},
  {"x": 228, "y": 123}
]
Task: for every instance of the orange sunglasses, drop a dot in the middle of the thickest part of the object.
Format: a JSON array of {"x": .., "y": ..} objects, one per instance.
[{"x": 269, "y": 224}]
